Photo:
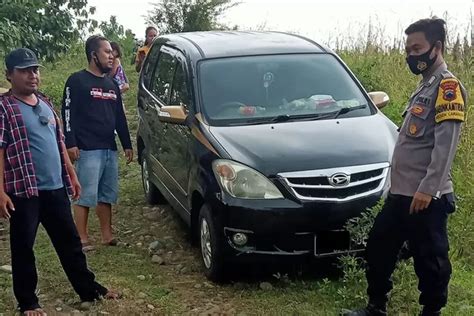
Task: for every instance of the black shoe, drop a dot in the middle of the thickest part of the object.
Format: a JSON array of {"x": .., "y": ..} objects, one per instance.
[
  {"x": 426, "y": 312},
  {"x": 370, "y": 310}
]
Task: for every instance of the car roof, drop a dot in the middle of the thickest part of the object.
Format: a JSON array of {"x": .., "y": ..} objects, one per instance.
[{"x": 215, "y": 44}]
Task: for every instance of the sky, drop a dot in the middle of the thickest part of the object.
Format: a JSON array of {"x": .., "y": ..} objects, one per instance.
[{"x": 326, "y": 21}]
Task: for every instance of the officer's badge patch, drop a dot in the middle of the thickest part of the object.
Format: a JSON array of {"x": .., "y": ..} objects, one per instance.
[
  {"x": 450, "y": 103},
  {"x": 421, "y": 65},
  {"x": 413, "y": 129},
  {"x": 449, "y": 89},
  {"x": 417, "y": 110}
]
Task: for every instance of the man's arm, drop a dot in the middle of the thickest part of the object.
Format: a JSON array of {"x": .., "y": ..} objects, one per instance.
[
  {"x": 446, "y": 139},
  {"x": 449, "y": 116},
  {"x": 450, "y": 108},
  {"x": 6, "y": 204},
  {"x": 76, "y": 186},
  {"x": 68, "y": 113}
]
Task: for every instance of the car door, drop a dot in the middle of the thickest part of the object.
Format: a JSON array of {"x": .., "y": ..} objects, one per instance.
[
  {"x": 174, "y": 151},
  {"x": 150, "y": 128},
  {"x": 159, "y": 95}
]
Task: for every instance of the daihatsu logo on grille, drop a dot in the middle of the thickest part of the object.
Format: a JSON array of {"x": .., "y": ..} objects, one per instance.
[{"x": 339, "y": 180}]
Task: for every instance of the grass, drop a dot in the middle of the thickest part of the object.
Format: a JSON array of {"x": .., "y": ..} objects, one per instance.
[{"x": 174, "y": 290}]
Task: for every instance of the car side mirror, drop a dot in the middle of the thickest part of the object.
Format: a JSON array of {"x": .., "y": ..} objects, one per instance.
[
  {"x": 379, "y": 98},
  {"x": 174, "y": 114}
]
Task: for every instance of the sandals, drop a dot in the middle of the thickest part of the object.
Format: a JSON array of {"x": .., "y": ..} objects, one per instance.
[
  {"x": 112, "y": 295},
  {"x": 112, "y": 242},
  {"x": 35, "y": 312},
  {"x": 87, "y": 246},
  {"x": 109, "y": 295}
]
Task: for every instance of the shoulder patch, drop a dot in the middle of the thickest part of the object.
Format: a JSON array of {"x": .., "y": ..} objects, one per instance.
[{"x": 449, "y": 102}]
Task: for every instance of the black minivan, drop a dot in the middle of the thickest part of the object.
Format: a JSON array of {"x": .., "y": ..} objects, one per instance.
[{"x": 265, "y": 143}]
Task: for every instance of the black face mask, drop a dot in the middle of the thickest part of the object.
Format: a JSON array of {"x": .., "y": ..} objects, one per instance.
[
  {"x": 418, "y": 64},
  {"x": 103, "y": 69}
]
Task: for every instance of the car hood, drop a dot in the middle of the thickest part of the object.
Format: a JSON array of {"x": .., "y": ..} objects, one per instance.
[{"x": 309, "y": 145}]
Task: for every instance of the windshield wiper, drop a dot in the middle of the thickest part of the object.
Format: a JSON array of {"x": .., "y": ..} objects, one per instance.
[
  {"x": 342, "y": 111},
  {"x": 269, "y": 119},
  {"x": 312, "y": 116},
  {"x": 283, "y": 118}
]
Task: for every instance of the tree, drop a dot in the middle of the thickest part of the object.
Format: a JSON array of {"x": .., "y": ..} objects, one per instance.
[
  {"x": 49, "y": 27},
  {"x": 112, "y": 30},
  {"x": 115, "y": 32},
  {"x": 174, "y": 16}
]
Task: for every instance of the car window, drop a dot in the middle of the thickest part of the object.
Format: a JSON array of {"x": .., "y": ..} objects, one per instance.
[
  {"x": 179, "y": 93},
  {"x": 242, "y": 90},
  {"x": 150, "y": 64},
  {"x": 163, "y": 76}
]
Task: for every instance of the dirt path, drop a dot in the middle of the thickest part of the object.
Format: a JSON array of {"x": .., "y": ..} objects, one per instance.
[{"x": 154, "y": 266}]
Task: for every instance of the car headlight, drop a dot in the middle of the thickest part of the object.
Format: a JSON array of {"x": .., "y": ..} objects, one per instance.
[{"x": 243, "y": 182}]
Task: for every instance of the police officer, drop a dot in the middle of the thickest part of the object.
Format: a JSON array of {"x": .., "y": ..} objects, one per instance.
[{"x": 421, "y": 193}]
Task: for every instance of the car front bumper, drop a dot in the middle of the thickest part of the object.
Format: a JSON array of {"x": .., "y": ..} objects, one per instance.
[{"x": 289, "y": 228}]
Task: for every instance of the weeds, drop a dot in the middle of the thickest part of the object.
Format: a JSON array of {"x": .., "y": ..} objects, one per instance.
[{"x": 359, "y": 227}]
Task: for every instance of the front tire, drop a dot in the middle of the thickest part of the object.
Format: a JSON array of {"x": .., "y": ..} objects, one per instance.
[{"x": 211, "y": 240}]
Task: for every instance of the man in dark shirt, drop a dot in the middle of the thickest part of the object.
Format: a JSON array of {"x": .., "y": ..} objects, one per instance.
[
  {"x": 92, "y": 111},
  {"x": 36, "y": 177}
]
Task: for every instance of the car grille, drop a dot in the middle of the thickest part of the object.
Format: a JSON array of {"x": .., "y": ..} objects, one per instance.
[{"x": 337, "y": 184}]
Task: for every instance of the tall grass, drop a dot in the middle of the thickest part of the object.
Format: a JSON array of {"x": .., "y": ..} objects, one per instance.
[{"x": 388, "y": 72}]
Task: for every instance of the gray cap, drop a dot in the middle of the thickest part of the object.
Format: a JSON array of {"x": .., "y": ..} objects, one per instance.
[{"x": 21, "y": 58}]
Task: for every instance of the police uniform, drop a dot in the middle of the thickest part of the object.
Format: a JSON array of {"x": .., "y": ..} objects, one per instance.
[{"x": 421, "y": 162}]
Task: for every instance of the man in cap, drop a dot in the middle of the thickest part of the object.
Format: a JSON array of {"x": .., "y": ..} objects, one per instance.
[
  {"x": 421, "y": 194},
  {"x": 36, "y": 177}
]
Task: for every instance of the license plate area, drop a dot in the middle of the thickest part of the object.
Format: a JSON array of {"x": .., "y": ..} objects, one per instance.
[{"x": 335, "y": 242}]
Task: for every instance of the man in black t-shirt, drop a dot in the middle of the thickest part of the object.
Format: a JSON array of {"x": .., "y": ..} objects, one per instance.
[{"x": 92, "y": 111}]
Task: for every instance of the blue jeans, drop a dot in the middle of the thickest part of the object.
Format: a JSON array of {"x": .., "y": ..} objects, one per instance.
[{"x": 97, "y": 171}]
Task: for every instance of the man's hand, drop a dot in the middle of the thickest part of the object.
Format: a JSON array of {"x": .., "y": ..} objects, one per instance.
[
  {"x": 73, "y": 153},
  {"x": 129, "y": 155},
  {"x": 76, "y": 188},
  {"x": 420, "y": 202},
  {"x": 6, "y": 205}
]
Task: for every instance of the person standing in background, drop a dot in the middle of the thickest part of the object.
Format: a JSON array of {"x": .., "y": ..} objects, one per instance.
[
  {"x": 150, "y": 33},
  {"x": 117, "y": 73}
]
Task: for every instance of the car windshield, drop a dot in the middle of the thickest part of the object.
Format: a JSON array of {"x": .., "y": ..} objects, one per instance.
[{"x": 278, "y": 88}]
